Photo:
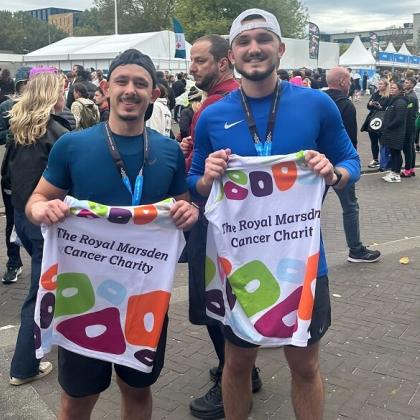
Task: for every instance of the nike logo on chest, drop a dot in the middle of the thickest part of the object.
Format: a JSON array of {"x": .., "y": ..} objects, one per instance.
[{"x": 227, "y": 126}]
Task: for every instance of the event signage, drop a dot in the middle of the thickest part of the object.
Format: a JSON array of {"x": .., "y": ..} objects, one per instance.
[
  {"x": 263, "y": 248},
  {"x": 313, "y": 41},
  {"x": 106, "y": 280},
  {"x": 374, "y": 44},
  {"x": 180, "y": 49}
]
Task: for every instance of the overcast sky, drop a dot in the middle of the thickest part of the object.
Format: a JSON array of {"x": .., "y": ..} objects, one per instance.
[{"x": 351, "y": 15}]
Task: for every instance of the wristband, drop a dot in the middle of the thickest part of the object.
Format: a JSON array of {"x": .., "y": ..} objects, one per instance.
[{"x": 339, "y": 175}]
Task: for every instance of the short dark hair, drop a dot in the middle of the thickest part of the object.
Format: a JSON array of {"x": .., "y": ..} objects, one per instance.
[
  {"x": 100, "y": 90},
  {"x": 133, "y": 56},
  {"x": 412, "y": 80},
  {"x": 82, "y": 89},
  {"x": 219, "y": 47},
  {"x": 399, "y": 85},
  {"x": 283, "y": 74}
]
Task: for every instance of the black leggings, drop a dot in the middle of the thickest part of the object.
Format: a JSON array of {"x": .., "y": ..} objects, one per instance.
[
  {"x": 374, "y": 145},
  {"x": 409, "y": 153},
  {"x": 396, "y": 160}
]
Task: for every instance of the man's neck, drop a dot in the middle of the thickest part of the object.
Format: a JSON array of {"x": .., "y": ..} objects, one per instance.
[
  {"x": 260, "y": 88},
  {"x": 223, "y": 77},
  {"x": 126, "y": 128}
]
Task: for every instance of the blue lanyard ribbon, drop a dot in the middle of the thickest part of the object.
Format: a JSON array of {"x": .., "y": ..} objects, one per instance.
[
  {"x": 138, "y": 184},
  {"x": 263, "y": 149}
]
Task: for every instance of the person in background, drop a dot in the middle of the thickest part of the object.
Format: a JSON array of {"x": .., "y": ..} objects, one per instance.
[
  {"x": 35, "y": 126},
  {"x": 102, "y": 83},
  {"x": 364, "y": 83},
  {"x": 417, "y": 135},
  {"x": 283, "y": 74},
  {"x": 81, "y": 76},
  {"x": 84, "y": 109},
  {"x": 338, "y": 79},
  {"x": 102, "y": 102},
  {"x": 7, "y": 85},
  {"x": 187, "y": 114},
  {"x": 161, "y": 119},
  {"x": 306, "y": 82},
  {"x": 378, "y": 102},
  {"x": 296, "y": 78},
  {"x": 161, "y": 79},
  {"x": 14, "y": 262},
  {"x": 393, "y": 134},
  {"x": 412, "y": 111},
  {"x": 178, "y": 89}
]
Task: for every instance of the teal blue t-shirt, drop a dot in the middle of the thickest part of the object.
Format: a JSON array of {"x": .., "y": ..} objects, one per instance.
[{"x": 80, "y": 162}]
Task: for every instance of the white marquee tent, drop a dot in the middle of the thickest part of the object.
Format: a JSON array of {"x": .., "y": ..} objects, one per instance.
[
  {"x": 297, "y": 55},
  {"x": 99, "y": 51},
  {"x": 404, "y": 50},
  {"x": 390, "y": 48},
  {"x": 357, "y": 55}
]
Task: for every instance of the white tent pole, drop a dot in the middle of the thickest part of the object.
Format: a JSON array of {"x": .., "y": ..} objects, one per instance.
[{"x": 116, "y": 16}]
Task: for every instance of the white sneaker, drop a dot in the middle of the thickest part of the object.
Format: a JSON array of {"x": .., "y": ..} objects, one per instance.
[
  {"x": 386, "y": 174},
  {"x": 392, "y": 177},
  {"x": 373, "y": 164},
  {"x": 44, "y": 369}
]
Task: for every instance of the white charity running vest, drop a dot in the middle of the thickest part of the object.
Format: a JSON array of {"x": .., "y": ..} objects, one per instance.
[
  {"x": 106, "y": 280},
  {"x": 263, "y": 248}
]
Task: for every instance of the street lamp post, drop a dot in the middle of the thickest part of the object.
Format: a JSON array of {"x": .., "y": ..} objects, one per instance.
[{"x": 116, "y": 16}]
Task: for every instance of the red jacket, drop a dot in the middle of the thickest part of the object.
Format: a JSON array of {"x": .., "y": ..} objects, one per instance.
[{"x": 214, "y": 95}]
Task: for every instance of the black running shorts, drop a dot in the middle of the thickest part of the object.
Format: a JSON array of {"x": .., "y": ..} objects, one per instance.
[{"x": 81, "y": 376}]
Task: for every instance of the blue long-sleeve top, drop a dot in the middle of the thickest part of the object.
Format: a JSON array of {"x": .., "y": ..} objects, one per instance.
[{"x": 306, "y": 119}]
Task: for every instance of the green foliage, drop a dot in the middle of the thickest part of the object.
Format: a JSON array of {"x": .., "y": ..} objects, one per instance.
[
  {"x": 20, "y": 33},
  {"x": 202, "y": 17},
  {"x": 134, "y": 15},
  {"x": 344, "y": 48},
  {"x": 198, "y": 17}
]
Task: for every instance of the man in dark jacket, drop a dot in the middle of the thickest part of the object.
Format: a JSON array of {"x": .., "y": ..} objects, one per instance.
[
  {"x": 14, "y": 262},
  {"x": 171, "y": 96},
  {"x": 339, "y": 82},
  {"x": 178, "y": 88},
  {"x": 410, "y": 130},
  {"x": 82, "y": 76}
]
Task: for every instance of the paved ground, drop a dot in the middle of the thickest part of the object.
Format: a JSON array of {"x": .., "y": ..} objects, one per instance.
[{"x": 370, "y": 356}]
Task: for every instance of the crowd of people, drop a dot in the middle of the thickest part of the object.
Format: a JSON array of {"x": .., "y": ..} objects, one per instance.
[{"x": 58, "y": 127}]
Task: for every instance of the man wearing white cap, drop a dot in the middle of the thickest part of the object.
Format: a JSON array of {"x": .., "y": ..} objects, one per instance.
[{"x": 264, "y": 118}]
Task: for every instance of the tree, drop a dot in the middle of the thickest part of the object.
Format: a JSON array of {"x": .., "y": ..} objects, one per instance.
[
  {"x": 133, "y": 15},
  {"x": 201, "y": 17},
  {"x": 397, "y": 36},
  {"x": 343, "y": 48},
  {"x": 21, "y": 33}
]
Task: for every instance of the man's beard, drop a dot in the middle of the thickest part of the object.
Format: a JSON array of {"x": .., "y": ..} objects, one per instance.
[
  {"x": 257, "y": 75},
  {"x": 129, "y": 117},
  {"x": 207, "y": 82}
]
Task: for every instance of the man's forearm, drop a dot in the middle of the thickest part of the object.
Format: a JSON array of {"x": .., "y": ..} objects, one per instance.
[
  {"x": 33, "y": 199},
  {"x": 344, "y": 179},
  {"x": 203, "y": 188}
]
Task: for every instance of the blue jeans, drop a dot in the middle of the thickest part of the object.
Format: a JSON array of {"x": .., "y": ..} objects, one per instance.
[
  {"x": 13, "y": 250},
  {"x": 350, "y": 208},
  {"x": 24, "y": 363}
]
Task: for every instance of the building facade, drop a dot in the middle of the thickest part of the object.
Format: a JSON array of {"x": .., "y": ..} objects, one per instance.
[
  {"x": 408, "y": 33},
  {"x": 63, "y": 19}
]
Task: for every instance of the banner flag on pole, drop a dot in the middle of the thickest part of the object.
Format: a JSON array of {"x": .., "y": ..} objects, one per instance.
[
  {"x": 180, "y": 51},
  {"x": 313, "y": 41},
  {"x": 374, "y": 44}
]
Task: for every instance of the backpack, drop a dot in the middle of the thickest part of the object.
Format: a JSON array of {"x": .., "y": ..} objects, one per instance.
[{"x": 88, "y": 115}]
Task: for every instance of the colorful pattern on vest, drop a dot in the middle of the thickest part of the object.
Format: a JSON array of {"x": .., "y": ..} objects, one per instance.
[
  {"x": 107, "y": 275},
  {"x": 263, "y": 248}
]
